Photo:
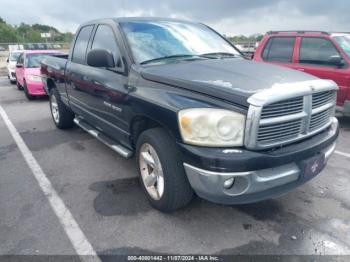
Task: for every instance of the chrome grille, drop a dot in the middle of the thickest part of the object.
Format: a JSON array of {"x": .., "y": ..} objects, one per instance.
[
  {"x": 282, "y": 116},
  {"x": 283, "y": 108},
  {"x": 279, "y": 131},
  {"x": 320, "y": 99},
  {"x": 320, "y": 119}
]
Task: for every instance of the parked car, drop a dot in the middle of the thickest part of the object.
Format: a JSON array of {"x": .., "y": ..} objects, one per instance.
[
  {"x": 196, "y": 114},
  {"x": 28, "y": 72},
  {"x": 11, "y": 65},
  {"x": 30, "y": 46},
  {"x": 322, "y": 54}
]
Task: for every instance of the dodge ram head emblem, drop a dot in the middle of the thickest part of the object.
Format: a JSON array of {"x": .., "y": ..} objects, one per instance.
[{"x": 314, "y": 167}]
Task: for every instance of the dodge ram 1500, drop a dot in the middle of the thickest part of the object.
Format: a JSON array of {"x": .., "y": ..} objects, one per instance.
[{"x": 198, "y": 117}]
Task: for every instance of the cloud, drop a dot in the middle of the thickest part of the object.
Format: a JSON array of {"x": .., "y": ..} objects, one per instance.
[{"x": 227, "y": 16}]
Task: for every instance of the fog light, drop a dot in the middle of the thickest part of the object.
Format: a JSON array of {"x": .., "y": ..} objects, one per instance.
[{"x": 229, "y": 183}]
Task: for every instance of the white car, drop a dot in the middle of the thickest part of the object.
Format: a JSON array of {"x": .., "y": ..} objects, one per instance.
[{"x": 11, "y": 65}]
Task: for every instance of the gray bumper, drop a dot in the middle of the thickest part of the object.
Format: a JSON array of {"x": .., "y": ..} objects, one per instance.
[{"x": 249, "y": 186}]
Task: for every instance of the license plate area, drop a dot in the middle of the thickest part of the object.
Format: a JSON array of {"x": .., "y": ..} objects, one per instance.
[{"x": 313, "y": 166}]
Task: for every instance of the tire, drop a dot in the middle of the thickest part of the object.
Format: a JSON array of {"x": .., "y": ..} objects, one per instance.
[
  {"x": 26, "y": 92},
  {"x": 12, "y": 82},
  {"x": 64, "y": 118},
  {"x": 19, "y": 87},
  {"x": 177, "y": 191}
]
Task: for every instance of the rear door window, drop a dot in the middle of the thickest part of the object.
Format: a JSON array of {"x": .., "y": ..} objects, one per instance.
[
  {"x": 317, "y": 51},
  {"x": 279, "y": 49},
  {"x": 81, "y": 43}
]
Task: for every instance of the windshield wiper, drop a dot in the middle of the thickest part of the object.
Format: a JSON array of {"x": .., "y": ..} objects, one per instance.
[
  {"x": 219, "y": 55},
  {"x": 169, "y": 57}
]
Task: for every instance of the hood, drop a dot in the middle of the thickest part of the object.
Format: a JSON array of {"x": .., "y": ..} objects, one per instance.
[
  {"x": 234, "y": 80},
  {"x": 32, "y": 71}
]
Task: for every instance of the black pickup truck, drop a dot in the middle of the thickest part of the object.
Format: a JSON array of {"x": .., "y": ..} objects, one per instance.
[{"x": 197, "y": 115}]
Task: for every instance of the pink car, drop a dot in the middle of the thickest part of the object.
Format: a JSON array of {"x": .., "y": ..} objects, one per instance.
[{"x": 28, "y": 77}]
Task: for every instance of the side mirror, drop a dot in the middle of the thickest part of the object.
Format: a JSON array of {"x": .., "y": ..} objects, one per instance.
[
  {"x": 7, "y": 60},
  {"x": 100, "y": 58},
  {"x": 19, "y": 65}
]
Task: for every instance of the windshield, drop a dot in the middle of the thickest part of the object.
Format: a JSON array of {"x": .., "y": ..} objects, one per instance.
[
  {"x": 34, "y": 60},
  {"x": 151, "y": 40},
  {"x": 344, "y": 42},
  {"x": 14, "y": 56}
]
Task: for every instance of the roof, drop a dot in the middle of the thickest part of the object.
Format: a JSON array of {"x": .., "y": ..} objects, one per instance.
[
  {"x": 137, "y": 19},
  {"x": 147, "y": 19},
  {"x": 298, "y": 32}
]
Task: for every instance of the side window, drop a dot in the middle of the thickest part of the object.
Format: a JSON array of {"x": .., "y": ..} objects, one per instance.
[
  {"x": 105, "y": 39},
  {"x": 279, "y": 49},
  {"x": 81, "y": 44},
  {"x": 317, "y": 51},
  {"x": 20, "y": 59}
]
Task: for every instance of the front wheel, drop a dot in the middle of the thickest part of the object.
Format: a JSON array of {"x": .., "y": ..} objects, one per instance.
[
  {"x": 162, "y": 173},
  {"x": 62, "y": 116}
]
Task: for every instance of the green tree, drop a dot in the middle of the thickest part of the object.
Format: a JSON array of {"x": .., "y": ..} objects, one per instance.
[
  {"x": 25, "y": 33},
  {"x": 7, "y": 33}
]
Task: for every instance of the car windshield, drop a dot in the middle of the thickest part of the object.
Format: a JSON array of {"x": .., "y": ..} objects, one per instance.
[
  {"x": 156, "y": 41},
  {"x": 344, "y": 42},
  {"x": 34, "y": 60},
  {"x": 14, "y": 56}
]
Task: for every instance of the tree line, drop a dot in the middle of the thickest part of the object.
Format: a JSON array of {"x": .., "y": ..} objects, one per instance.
[
  {"x": 245, "y": 39},
  {"x": 25, "y": 33}
]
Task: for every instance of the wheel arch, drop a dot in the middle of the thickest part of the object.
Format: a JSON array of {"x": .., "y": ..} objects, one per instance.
[{"x": 140, "y": 124}]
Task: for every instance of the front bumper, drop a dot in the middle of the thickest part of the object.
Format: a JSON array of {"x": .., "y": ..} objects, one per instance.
[
  {"x": 259, "y": 184},
  {"x": 36, "y": 88}
]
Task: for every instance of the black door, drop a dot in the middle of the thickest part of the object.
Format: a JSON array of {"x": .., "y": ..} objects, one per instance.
[
  {"x": 106, "y": 94},
  {"x": 77, "y": 74}
]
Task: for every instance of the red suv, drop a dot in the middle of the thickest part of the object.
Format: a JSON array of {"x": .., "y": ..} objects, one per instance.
[{"x": 325, "y": 55}]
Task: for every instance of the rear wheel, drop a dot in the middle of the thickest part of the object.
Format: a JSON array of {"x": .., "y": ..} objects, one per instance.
[
  {"x": 162, "y": 173},
  {"x": 62, "y": 116},
  {"x": 26, "y": 92}
]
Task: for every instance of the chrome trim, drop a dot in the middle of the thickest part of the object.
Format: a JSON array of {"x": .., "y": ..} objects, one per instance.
[
  {"x": 323, "y": 108},
  {"x": 280, "y": 93},
  {"x": 98, "y": 135},
  {"x": 281, "y": 119}
]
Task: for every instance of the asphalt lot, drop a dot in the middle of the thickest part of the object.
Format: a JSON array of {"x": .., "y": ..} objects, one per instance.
[{"x": 102, "y": 192}]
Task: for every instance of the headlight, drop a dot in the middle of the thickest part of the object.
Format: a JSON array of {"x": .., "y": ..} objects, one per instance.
[
  {"x": 211, "y": 127},
  {"x": 34, "y": 78}
]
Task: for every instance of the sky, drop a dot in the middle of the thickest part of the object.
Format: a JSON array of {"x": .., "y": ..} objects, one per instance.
[{"x": 230, "y": 17}]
